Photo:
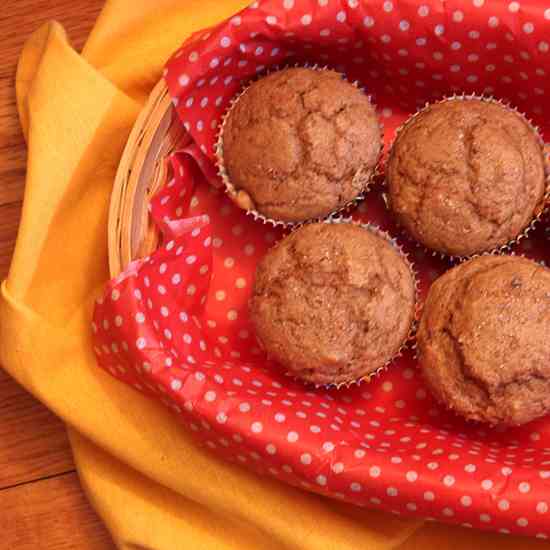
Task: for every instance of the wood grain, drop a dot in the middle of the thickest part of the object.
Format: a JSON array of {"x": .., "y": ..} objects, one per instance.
[
  {"x": 9, "y": 222},
  {"x": 34, "y": 443},
  {"x": 52, "y": 514},
  {"x": 42, "y": 505}
]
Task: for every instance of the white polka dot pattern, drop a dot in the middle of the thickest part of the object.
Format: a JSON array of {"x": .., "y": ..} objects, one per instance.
[{"x": 175, "y": 325}]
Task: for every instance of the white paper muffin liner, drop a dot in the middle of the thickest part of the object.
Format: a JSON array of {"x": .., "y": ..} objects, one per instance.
[
  {"x": 541, "y": 209},
  {"x": 417, "y": 305},
  {"x": 232, "y": 192}
]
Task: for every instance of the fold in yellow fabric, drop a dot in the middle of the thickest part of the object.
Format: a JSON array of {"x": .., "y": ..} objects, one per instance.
[{"x": 149, "y": 482}]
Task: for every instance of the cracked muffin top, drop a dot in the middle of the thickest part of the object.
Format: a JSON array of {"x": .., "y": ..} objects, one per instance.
[
  {"x": 333, "y": 303},
  {"x": 484, "y": 340},
  {"x": 466, "y": 176},
  {"x": 300, "y": 144}
]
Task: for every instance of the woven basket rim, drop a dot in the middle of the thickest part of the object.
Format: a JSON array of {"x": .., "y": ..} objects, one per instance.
[{"x": 140, "y": 173}]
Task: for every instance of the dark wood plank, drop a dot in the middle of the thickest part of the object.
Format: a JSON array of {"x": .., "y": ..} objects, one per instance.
[
  {"x": 51, "y": 514},
  {"x": 9, "y": 222},
  {"x": 33, "y": 441}
]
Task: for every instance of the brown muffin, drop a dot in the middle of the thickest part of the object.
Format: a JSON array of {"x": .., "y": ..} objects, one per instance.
[
  {"x": 466, "y": 176},
  {"x": 484, "y": 340},
  {"x": 333, "y": 303},
  {"x": 299, "y": 144}
]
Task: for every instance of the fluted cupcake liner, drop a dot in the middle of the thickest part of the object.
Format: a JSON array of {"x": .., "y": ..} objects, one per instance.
[
  {"x": 233, "y": 193},
  {"x": 542, "y": 208}
]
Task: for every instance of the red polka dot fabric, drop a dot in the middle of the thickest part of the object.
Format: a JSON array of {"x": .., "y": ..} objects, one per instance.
[{"x": 175, "y": 325}]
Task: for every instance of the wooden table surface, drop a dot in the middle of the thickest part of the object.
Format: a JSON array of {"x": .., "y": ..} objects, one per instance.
[{"x": 42, "y": 506}]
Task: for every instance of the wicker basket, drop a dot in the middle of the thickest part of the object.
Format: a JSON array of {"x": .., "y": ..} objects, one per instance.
[{"x": 157, "y": 133}]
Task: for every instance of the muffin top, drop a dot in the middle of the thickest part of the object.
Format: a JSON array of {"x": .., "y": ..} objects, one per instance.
[
  {"x": 333, "y": 302},
  {"x": 466, "y": 176},
  {"x": 484, "y": 339},
  {"x": 300, "y": 144}
]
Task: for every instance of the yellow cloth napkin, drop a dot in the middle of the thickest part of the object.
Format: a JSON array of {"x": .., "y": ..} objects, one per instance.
[{"x": 148, "y": 481}]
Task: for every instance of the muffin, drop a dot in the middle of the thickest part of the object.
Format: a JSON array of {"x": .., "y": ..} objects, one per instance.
[
  {"x": 484, "y": 340},
  {"x": 299, "y": 144},
  {"x": 466, "y": 176},
  {"x": 333, "y": 302}
]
